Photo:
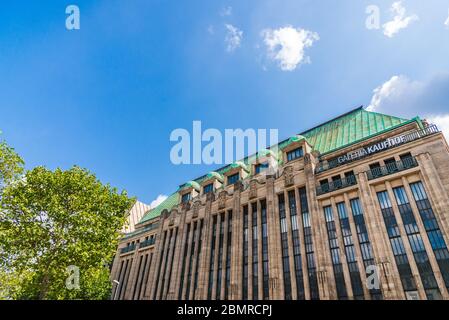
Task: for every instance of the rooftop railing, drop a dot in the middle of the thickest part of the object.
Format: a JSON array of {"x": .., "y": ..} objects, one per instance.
[
  {"x": 129, "y": 248},
  {"x": 147, "y": 243},
  {"x": 336, "y": 185},
  {"x": 391, "y": 168}
]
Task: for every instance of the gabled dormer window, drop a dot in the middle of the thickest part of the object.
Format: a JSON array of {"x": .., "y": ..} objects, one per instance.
[
  {"x": 295, "y": 154},
  {"x": 186, "y": 197},
  {"x": 233, "y": 178},
  {"x": 261, "y": 167},
  {"x": 208, "y": 188}
]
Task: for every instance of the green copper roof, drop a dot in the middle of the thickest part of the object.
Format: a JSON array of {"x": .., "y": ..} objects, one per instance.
[
  {"x": 214, "y": 174},
  {"x": 168, "y": 204},
  {"x": 345, "y": 130},
  {"x": 350, "y": 128}
]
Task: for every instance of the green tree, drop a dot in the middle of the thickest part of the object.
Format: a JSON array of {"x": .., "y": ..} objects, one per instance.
[
  {"x": 51, "y": 220},
  {"x": 11, "y": 164}
]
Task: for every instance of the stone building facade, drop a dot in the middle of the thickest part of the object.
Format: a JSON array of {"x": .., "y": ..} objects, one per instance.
[{"x": 357, "y": 209}]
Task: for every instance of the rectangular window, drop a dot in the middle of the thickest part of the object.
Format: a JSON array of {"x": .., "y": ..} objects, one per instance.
[
  {"x": 233, "y": 178},
  {"x": 335, "y": 253},
  {"x": 198, "y": 258},
  {"x": 416, "y": 243},
  {"x": 261, "y": 167},
  {"x": 295, "y": 154},
  {"x": 432, "y": 229},
  {"x": 296, "y": 245},
  {"x": 185, "y": 197},
  {"x": 255, "y": 247},
  {"x": 284, "y": 245},
  {"x": 405, "y": 272},
  {"x": 308, "y": 242},
  {"x": 364, "y": 242},
  {"x": 212, "y": 258},
  {"x": 245, "y": 253},
  {"x": 228, "y": 256},
  {"x": 220, "y": 256},
  {"x": 208, "y": 188},
  {"x": 265, "y": 271},
  {"x": 354, "y": 273},
  {"x": 184, "y": 261}
]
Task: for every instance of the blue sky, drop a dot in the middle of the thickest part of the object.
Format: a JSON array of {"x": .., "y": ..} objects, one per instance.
[{"x": 107, "y": 96}]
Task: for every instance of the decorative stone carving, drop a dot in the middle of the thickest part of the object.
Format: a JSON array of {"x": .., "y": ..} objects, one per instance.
[
  {"x": 273, "y": 283},
  {"x": 186, "y": 206},
  {"x": 307, "y": 159},
  {"x": 173, "y": 215},
  {"x": 288, "y": 176},
  {"x": 196, "y": 208},
  {"x": 253, "y": 189},
  {"x": 210, "y": 196},
  {"x": 238, "y": 186},
  {"x": 322, "y": 277},
  {"x": 165, "y": 214},
  {"x": 222, "y": 200}
]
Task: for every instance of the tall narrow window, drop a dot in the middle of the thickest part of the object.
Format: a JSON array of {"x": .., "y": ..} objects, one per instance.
[
  {"x": 265, "y": 271},
  {"x": 220, "y": 257},
  {"x": 354, "y": 273},
  {"x": 228, "y": 256},
  {"x": 170, "y": 267},
  {"x": 192, "y": 255},
  {"x": 184, "y": 261},
  {"x": 198, "y": 258},
  {"x": 433, "y": 230},
  {"x": 296, "y": 245},
  {"x": 160, "y": 263},
  {"x": 165, "y": 266},
  {"x": 284, "y": 244},
  {"x": 308, "y": 242},
  {"x": 417, "y": 244},
  {"x": 245, "y": 253},
  {"x": 364, "y": 242},
  {"x": 212, "y": 258},
  {"x": 405, "y": 272},
  {"x": 335, "y": 254},
  {"x": 255, "y": 252}
]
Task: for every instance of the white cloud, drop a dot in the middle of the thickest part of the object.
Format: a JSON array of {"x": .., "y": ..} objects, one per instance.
[
  {"x": 442, "y": 123},
  {"x": 211, "y": 30},
  {"x": 233, "y": 37},
  {"x": 160, "y": 198},
  {"x": 403, "y": 97},
  {"x": 287, "y": 45},
  {"x": 446, "y": 23},
  {"x": 400, "y": 21},
  {"x": 227, "y": 11}
]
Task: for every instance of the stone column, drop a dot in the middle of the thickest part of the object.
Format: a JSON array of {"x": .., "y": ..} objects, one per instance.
[
  {"x": 237, "y": 246},
  {"x": 276, "y": 284},
  {"x": 194, "y": 261},
  {"x": 436, "y": 192},
  {"x": 204, "y": 272}
]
